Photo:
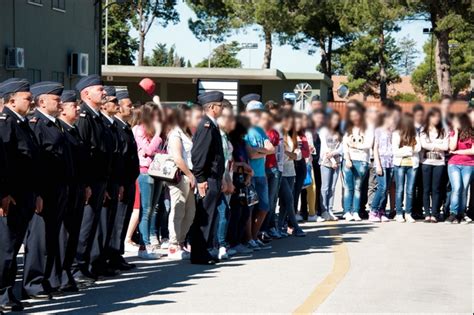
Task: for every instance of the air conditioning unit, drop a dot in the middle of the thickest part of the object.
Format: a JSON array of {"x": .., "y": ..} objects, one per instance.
[
  {"x": 15, "y": 58},
  {"x": 79, "y": 64}
]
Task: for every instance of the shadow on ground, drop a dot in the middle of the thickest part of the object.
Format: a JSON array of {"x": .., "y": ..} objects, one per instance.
[{"x": 169, "y": 277}]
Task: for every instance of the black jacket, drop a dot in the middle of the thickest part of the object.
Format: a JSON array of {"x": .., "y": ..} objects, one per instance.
[
  {"x": 131, "y": 168},
  {"x": 92, "y": 131},
  {"x": 21, "y": 152},
  {"x": 80, "y": 153},
  {"x": 207, "y": 154},
  {"x": 55, "y": 158}
]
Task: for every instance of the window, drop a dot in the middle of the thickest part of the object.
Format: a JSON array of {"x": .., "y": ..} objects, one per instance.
[
  {"x": 36, "y": 2},
  {"x": 33, "y": 75},
  {"x": 59, "y": 5},
  {"x": 57, "y": 76}
]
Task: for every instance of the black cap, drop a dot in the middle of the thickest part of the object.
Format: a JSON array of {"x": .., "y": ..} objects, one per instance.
[
  {"x": 122, "y": 94},
  {"x": 110, "y": 90},
  {"x": 87, "y": 81},
  {"x": 14, "y": 85},
  {"x": 46, "y": 87},
  {"x": 69, "y": 96},
  {"x": 250, "y": 97},
  {"x": 209, "y": 97}
]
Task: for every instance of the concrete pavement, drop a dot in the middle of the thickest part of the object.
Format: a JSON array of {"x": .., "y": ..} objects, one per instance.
[{"x": 377, "y": 268}]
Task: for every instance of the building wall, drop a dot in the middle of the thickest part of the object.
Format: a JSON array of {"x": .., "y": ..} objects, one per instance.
[
  {"x": 176, "y": 90},
  {"x": 48, "y": 37}
]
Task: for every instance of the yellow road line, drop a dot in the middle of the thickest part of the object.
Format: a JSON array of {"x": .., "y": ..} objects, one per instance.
[{"x": 340, "y": 268}]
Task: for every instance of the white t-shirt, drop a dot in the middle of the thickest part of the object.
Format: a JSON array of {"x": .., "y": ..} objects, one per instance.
[
  {"x": 363, "y": 140},
  {"x": 186, "y": 143}
]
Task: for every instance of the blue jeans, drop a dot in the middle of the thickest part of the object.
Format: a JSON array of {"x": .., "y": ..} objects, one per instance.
[
  {"x": 328, "y": 187},
  {"x": 459, "y": 176},
  {"x": 404, "y": 175},
  {"x": 353, "y": 178},
  {"x": 379, "y": 202},
  {"x": 222, "y": 221},
  {"x": 261, "y": 187},
  {"x": 287, "y": 209},
  {"x": 150, "y": 191},
  {"x": 273, "y": 180}
]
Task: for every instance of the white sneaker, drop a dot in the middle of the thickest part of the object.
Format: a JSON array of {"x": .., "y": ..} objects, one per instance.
[
  {"x": 356, "y": 216},
  {"x": 399, "y": 218},
  {"x": 320, "y": 219},
  {"x": 154, "y": 240},
  {"x": 165, "y": 243},
  {"x": 298, "y": 217},
  {"x": 325, "y": 215},
  {"x": 348, "y": 217},
  {"x": 149, "y": 252},
  {"x": 312, "y": 218},
  {"x": 222, "y": 253},
  {"x": 409, "y": 218},
  {"x": 466, "y": 220},
  {"x": 130, "y": 247},
  {"x": 332, "y": 216},
  {"x": 175, "y": 253}
]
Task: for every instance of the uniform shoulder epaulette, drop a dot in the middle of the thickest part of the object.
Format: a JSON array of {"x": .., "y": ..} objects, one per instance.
[
  {"x": 207, "y": 124},
  {"x": 33, "y": 120},
  {"x": 3, "y": 116},
  {"x": 82, "y": 114}
]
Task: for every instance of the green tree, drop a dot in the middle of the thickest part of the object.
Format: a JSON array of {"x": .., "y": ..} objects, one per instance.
[
  {"x": 445, "y": 16},
  {"x": 161, "y": 56},
  {"x": 461, "y": 64},
  {"x": 376, "y": 19},
  {"x": 218, "y": 18},
  {"x": 147, "y": 12},
  {"x": 360, "y": 61},
  {"x": 121, "y": 46},
  {"x": 408, "y": 53},
  {"x": 223, "y": 56}
]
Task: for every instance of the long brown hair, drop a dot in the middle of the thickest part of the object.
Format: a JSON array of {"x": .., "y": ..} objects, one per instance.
[
  {"x": 439, "y": 127},
  {"x": 287, "y": 114},
  {"x": 350, "y": 124},
  {"x": 466, "y": 132},
  {"x": 177, "y": 117},
  {"x": 407, "y": 131},
  {"x": 146, "y": 118}
]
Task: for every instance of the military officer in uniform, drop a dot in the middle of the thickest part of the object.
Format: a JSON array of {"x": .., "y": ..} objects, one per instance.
[
  {"x": 208, "y": 168},
  {"x": 78, "y": 192},
  {"x": 91, "y": 129},
  {"x": 114, "y": 192},
  {"x": 55, "y": 170},
  {"x": 130, "y": 173},
  {"x": 21, "y": 151}
]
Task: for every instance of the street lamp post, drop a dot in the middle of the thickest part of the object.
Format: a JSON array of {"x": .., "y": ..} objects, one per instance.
[
  {"x": 430, "y": 84},
  {"x": 249, "y": 46}
]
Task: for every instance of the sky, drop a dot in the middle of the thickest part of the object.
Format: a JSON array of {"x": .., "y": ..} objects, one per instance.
[{"x": 284, "y": 57}]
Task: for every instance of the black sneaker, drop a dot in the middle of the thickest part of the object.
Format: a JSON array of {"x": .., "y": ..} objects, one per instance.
[{"x": 451, "y": 220}]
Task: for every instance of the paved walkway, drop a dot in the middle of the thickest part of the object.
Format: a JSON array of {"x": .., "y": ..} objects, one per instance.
[{"x": 339, "y": 267}]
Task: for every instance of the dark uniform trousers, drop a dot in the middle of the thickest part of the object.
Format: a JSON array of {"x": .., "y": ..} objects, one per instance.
[
  {"x": 120, "y": 225},
  {"x": 42, "y": 241},
  {"x": 21, "y": 152}
]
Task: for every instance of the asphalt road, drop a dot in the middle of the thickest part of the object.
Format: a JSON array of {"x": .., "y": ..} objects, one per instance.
[{"x": 338, "y": 268}]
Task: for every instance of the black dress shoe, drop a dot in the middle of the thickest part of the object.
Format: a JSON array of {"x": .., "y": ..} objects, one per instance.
[
  {"x": 12, "y": 306},
  {"x": 69, "y": 288},
  {"x": 42, "y": 295},
  {"x": 106, "y": 272},
  {"x": 123, "y": 266}
]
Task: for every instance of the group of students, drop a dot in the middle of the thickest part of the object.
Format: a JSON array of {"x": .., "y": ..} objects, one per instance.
[{"x": 77, "y": 190}]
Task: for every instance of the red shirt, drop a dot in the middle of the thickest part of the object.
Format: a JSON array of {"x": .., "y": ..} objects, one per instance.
[
  {"x": 274, "y": 137},
  {"x": 303, "y": 145},
  {"x": 460, "y": 159}
]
